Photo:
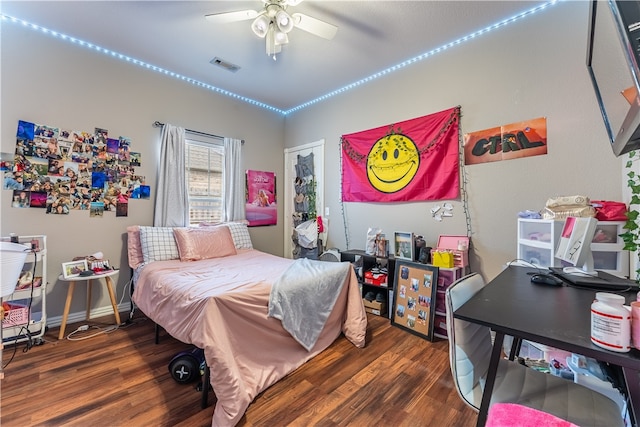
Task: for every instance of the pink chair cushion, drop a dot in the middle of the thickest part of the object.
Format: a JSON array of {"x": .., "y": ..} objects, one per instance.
[{"x": 511, "y": 414}]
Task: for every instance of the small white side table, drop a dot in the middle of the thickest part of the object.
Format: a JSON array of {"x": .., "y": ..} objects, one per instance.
[{"x": 72, "y": 283}]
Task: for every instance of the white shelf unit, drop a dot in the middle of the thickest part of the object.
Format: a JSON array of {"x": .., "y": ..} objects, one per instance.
[
  {"x": 34, "y": 298},
  {"x": 537, "y": 240}
]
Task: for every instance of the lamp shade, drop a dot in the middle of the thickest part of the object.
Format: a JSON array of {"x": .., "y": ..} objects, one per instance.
[
  {"x": 12, "y": 258},
  {"x": 280, "y": 37},
  {"x": 260, "y": 25},
  {"x": 284, "y": 21}
]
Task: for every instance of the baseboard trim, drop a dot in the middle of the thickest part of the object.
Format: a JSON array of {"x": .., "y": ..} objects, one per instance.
[{"x": 80, "y": 316}]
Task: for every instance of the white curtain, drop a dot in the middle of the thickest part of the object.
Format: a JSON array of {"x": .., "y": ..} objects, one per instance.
[
  {"x": 172, "y": 199},
  {"x": 233, "y": 181}
]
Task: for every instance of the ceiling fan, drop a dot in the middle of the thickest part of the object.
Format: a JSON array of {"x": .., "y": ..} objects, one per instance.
[{"x": 273, "y": 23}]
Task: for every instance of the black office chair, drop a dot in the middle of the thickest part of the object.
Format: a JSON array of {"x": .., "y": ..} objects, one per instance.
[{"x": 469, "y": 353}]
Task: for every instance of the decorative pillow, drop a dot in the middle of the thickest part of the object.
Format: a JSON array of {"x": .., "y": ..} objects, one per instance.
[
  {"x": 239, "y": 232},
  {"x": 158, "y": 244},
  {"x": 203, "y": 243},
  {"x": 134, "y": 248}
]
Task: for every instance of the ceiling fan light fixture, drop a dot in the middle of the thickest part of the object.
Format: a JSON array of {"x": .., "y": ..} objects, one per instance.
[
  {"x": 273, "y": 23},
  {"x": 284, "y": 21},
  {"x": 280, "y": 37},
  {"x": 260, "y": 26}
]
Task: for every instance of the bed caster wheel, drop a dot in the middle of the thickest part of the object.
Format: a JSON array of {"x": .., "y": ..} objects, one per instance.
[
  {"x": 185, "y": 366},
  {"x": 184, "y": 369}
]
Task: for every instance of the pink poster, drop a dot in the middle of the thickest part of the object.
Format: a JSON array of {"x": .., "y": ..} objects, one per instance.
[{"x": 261, "y": 207}]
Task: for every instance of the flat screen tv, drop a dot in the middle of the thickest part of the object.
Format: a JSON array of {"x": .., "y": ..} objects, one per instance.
[{"x": 612, "y": 61}]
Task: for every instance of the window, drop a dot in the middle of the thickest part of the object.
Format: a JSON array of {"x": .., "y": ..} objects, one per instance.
[{"x": 204, "y": 160}]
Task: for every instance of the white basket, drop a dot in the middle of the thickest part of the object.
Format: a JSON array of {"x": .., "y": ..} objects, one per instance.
[{"x": 12, "y": 258}]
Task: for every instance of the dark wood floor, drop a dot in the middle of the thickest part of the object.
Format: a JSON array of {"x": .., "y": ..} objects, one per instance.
[{"x": 122, "y": 379}]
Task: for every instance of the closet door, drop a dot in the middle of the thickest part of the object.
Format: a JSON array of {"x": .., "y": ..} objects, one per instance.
[{"x": 303, "y": 194}]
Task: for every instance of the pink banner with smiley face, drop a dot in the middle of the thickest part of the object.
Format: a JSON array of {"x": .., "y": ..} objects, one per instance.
[{"x": 413, "y": 160}]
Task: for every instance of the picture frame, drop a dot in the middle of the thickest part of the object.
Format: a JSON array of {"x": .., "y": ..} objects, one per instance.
[
  {"x": 382, "y": 247},
  {"x": 403, "y": 245},
  {"x": 414, "y": 298},
  {"x": 73, "y": 268},
  {"x": 98, "y": 264}
]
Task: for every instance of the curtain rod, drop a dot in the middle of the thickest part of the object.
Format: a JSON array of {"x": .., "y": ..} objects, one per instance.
[{"x": 159, "y": 124}]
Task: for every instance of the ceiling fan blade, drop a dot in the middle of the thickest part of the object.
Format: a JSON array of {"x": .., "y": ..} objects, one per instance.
[
  {"x": 314, "y": 26},
  {"x": 226, "y": 17}
]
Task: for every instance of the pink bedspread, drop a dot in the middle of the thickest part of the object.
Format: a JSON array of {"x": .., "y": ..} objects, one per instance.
[{"x": 221, "y": 305}]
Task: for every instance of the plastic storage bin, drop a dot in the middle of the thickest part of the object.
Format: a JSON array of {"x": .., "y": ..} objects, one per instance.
[
  {"x": 537, "y": 239},
  {"x": 17, "y": 315}
]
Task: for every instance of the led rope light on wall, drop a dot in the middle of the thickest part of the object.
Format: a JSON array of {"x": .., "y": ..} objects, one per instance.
[
  {"x": 424, "y": 55},
  {"x": 138, "y": 62},
  {"x": 261, "y": 104}
]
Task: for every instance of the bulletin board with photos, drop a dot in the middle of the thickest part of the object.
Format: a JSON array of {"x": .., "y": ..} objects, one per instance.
[{"x": 414, "y": 298}]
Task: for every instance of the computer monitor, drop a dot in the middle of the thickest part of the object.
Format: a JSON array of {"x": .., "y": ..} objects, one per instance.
[{"x": 574, "y": 245}]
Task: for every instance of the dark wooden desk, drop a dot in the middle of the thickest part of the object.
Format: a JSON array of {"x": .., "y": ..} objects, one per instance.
[{"x": 559, "y": 317}]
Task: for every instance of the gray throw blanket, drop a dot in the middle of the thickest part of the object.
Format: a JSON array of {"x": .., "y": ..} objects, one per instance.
[{"x": 304, "y": 295}]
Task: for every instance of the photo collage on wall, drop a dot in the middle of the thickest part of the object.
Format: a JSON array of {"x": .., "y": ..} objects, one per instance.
[{"x": 62, "y": 170}]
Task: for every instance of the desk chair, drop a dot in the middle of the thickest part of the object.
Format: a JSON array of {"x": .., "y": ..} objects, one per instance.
[{"x": 469, "y": 353}]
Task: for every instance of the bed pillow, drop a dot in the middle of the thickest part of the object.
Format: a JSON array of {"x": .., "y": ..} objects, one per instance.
[
  {"x": 203, "y": 243},
  {"x": 134, "y": 249},
  {"x": 239, "y": 232},
  {"x": 158, "y": 244}
]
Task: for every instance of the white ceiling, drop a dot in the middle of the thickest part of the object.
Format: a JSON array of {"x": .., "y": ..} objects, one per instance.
[{"x": 174, "y": 35}]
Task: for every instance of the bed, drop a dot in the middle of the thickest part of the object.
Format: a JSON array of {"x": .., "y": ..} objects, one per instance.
[{"x": 211, "y": 289}]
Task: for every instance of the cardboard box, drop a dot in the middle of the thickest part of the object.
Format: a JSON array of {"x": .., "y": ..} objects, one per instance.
[{"x": 374, "y": 307}]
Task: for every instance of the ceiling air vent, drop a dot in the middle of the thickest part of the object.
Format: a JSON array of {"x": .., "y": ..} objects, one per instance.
[{"x": 219, "y": 62}]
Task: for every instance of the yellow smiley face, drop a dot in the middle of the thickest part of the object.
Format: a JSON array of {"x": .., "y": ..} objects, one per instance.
[{"x": 392, "y": 163}]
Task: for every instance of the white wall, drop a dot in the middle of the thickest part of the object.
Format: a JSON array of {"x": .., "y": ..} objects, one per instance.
[
  {"x": 534, "y": 68},
  {"x": 47, "y": 81}
]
